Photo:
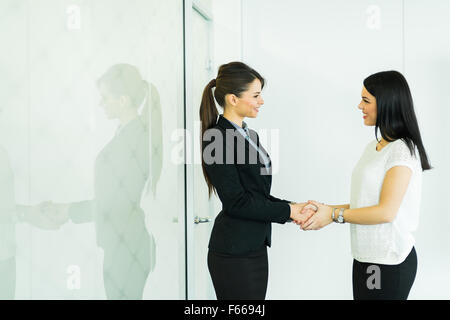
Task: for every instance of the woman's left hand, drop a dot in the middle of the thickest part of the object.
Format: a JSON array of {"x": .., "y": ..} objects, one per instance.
[{"x": 320, "y": 219}]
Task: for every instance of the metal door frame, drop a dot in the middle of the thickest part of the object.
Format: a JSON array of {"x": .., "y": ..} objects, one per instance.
[{"x": 188, "y": 6}]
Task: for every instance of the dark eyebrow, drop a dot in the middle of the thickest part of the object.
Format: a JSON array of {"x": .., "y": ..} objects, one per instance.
[
  {"x": 258, "y": 92},
  {"x": 366, "y": 98}
]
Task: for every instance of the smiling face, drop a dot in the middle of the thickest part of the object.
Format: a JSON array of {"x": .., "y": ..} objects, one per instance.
[
  {"x": 248, "y": 104},
  {"x": 368, "y": 106}
]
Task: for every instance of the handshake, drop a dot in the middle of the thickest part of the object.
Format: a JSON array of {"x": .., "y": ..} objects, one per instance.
[
  {"x": 311, "y": 215},
  {"x": 47, "y": 215}
]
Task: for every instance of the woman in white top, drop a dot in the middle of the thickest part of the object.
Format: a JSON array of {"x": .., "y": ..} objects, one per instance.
[{"x": 385, "y": 193}]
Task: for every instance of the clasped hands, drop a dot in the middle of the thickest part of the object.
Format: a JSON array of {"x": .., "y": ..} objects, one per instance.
[
  {"x": 47, "y": 215},
  {"x": 311, "y": 215}
]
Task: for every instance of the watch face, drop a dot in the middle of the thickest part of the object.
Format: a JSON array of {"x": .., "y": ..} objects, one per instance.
[{"x": 341, "y": 219}]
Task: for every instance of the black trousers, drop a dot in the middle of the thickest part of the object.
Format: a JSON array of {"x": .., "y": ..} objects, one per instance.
[
  {"x": 373, "y": 281},
  {"x": 239, "y": 277}
]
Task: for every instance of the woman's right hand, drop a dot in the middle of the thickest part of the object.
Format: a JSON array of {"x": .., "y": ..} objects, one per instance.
[{"x": 296, "y": 212}]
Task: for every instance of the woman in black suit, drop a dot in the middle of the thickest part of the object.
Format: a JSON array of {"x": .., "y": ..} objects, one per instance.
[{"x": 238, "y": 169}]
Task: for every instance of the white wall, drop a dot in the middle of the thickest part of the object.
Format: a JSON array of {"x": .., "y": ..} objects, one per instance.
[
  {"x": 315, "y": 55},
  {"x": 227, "y": 31}
]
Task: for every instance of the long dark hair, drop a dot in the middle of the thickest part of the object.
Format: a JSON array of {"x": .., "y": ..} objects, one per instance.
[
  {"x": 396, "y": 118},
  {"x": 232, "y": 78}
]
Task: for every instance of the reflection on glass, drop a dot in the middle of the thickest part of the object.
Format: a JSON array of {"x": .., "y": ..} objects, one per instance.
[
  {"x": 122, "y": 169},
  {"x": 10, "y": 214},
  {"x": 121, "y": 172},
  {"x": 78, "y": 195}
]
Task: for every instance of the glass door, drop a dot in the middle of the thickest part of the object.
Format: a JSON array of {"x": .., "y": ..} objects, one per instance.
[
  {"x": 200, "y": 207},
  {"x": 92, "y": 100}
]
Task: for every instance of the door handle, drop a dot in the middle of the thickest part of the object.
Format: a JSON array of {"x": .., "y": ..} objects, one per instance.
[{"x": 198, "y": 220}]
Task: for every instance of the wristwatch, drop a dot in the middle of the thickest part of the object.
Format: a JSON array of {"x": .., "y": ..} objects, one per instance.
[{"x": 340, "y": 218}]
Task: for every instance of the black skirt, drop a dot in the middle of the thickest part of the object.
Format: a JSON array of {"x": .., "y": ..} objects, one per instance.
[{"x": 242, "y": 277}]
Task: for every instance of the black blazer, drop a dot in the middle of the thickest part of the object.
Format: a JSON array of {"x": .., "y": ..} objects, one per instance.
[{"x": 243, "y": 186}]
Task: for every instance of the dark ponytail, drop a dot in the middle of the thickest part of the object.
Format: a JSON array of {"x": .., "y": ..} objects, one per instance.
[
  {"x": 232, "y": 78},
  {"x": 396, "y": 118},
  {"x": 208, "y": 110}
]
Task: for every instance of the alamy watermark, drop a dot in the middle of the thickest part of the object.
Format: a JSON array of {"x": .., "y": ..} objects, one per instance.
[
  {"x": 374, "y": 280},
  {"x": 229, "y": 147},
  {"x": 73, "y": 281},
  {"x": 373, "y": 21}
]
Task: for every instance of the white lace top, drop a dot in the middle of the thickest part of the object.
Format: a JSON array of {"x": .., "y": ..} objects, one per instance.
[{"x": 387, "y": 243}]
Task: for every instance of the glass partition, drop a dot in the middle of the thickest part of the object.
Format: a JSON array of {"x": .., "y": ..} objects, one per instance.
[{"x": 91, "y": 194}]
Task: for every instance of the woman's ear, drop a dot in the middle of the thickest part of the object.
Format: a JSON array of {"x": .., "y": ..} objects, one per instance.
[{"x": 231, "y": 99}]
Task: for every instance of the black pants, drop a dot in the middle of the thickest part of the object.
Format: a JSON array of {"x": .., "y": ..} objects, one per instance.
[
  {"x": 239, "y": 277},
  {"x": 373, "y": 281}
]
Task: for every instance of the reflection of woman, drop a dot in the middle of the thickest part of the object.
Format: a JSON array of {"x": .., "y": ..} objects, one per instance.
[
  {"x": 121, "y": 171},
  {"x": 385, "y": 193},
  {"x": 237, "y": 257}
]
